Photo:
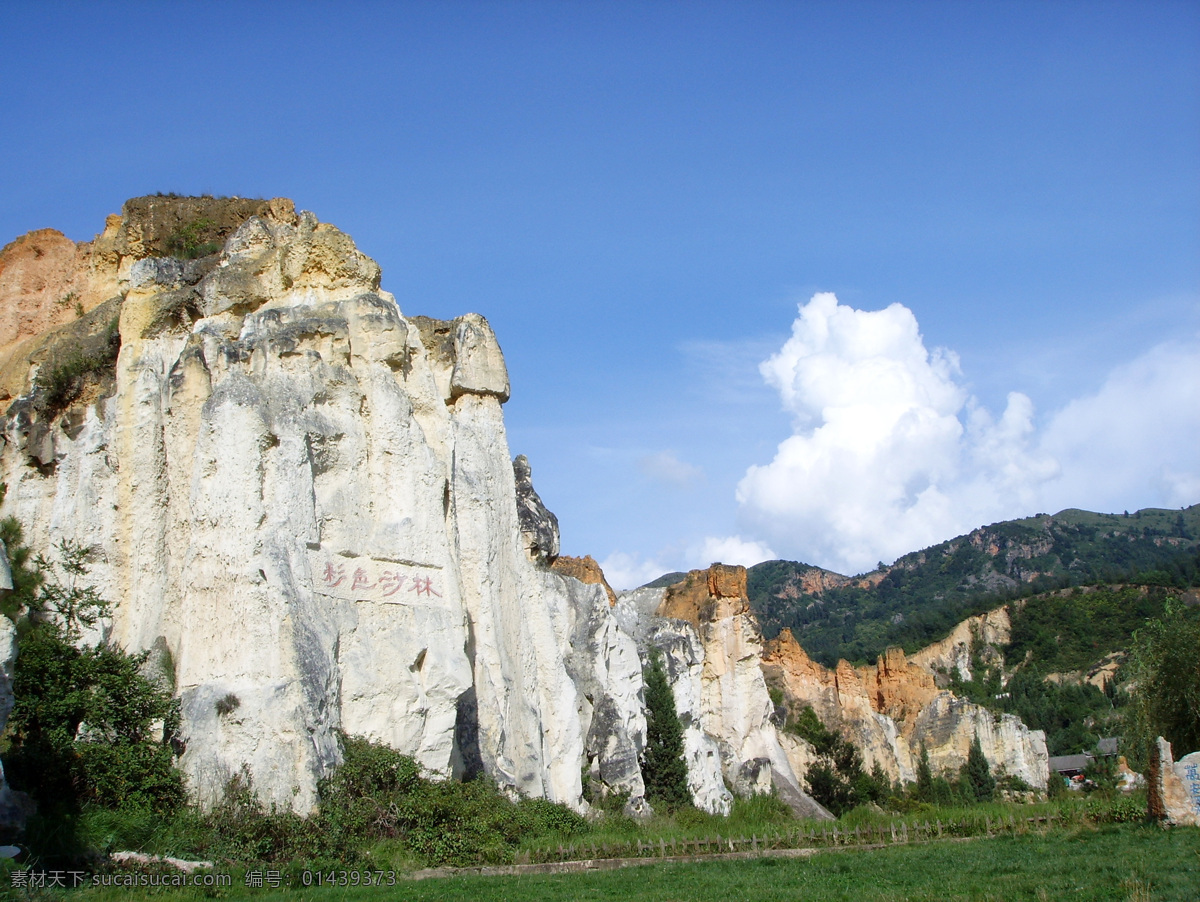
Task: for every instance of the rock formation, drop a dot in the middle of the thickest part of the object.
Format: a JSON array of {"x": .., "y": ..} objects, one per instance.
[
  {"x": 984, "y": 634},
  {"x": 539, "y": 527},
  {"x": 303, "y": 502},
  {"x": 308, "y": 500},
  {"x": 1174, "y": 786},
  {"x": 892, "y": 709},
  {"x": 586, "y": 570},
  {"x": 712, "y": 648}
]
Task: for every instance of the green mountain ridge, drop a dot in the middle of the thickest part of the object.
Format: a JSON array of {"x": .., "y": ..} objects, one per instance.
[{"x": 924, "y": 594}]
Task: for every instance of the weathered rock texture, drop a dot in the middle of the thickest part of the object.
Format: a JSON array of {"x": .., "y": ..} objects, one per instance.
[
  {"x": 586, "y": 570},
  {"x": 307, "y": 499},
  {"x": 302, "y": 502},
  {"x": 1174, "y": 786},
  {"x": 539, "y": 527},
  {"x": 889, "y": 711},
  {"x": 712, "y": 648},
  {"x": 985, "y": 633},
  {"x": 47, "y": 280}
]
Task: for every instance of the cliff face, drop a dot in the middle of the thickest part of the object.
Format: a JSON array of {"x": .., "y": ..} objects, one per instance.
[
  {"x": 712, "y": 647},
  {"x": 986, "y": 633},
  {"x": 302, "y": 503},
  {"x": 305, "y": 502},
  {"x": 894, "y": 708}
]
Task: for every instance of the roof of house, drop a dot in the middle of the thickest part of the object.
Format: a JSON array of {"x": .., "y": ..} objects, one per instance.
[{"x": 1063, "y": 763}]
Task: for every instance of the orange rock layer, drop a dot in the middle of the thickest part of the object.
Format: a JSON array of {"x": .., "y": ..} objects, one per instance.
[
  {"x": 892, "y": 686},
  {"x": 704, "y": 596},
  {"x": 586, "y": 570}
]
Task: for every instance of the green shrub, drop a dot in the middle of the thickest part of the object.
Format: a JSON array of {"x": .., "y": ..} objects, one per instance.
[
  {"x": 82, "y": 728},
  {"x": 86, "y": 727},
  {"x": 26, "y": 578},
  {"x": 759, "y": 810},
  {"x": 1117, "y": 811},
  {"x": 690, "y": 817},
  {"x": 379, "y": 794},
  {"x": 188, "y": 242},
  {"x": 65, "y": 377},
  {"x": 837, "y": 780}
]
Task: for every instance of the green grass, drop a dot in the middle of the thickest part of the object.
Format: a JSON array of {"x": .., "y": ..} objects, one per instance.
[{"x": 1116, "y": 862}]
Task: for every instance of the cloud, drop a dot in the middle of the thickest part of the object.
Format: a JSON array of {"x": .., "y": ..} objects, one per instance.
[
  {"x": 628, "y": 571},
  {"x": 1136, "y": 438},
  {"x": 890, "y": 453},
  {"x": 624, "y": 570},
  {"x": 729, "y": 550},
  {"x": 665, "y": 466}
]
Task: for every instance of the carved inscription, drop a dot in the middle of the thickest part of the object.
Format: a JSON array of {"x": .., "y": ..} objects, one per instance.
[
  {"x": 365, "y": 579},
  {"x": 1188, "y": 770}
]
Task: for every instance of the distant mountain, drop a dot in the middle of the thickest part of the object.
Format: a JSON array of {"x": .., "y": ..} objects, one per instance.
[
  {"x": 667, "y": 579},
  {"x": 922, "y": 596}
]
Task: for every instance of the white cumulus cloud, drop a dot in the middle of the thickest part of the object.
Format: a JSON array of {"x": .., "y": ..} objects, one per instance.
[
  {"x": 624, "y": 570},
  {"x": 890, "y": 453},
  {"x": 1137, "y": 437},
  {"x": 729, "y": 550}
]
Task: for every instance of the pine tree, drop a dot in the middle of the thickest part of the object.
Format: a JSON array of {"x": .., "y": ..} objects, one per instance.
[
  {"x": 663, "y": 768},
  {"x": 977, "y": 774},
  {"x": 924, "y": 777}
]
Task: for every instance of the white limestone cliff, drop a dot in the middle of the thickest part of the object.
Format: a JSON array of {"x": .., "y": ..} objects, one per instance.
[
  {"x": 982, "y": 636},
  {"x": 306, "y": 502},
  {"x": 712, "y": 650}
]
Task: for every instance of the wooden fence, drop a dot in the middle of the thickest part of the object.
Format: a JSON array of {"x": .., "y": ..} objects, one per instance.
[{"x": 813, "y": 837}]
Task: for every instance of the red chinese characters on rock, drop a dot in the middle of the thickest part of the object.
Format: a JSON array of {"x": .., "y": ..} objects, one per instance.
[
  {"x": 361, "y": 581},
  {"x": 331, "y": 571},
  {"x": 424, "y": 584},
  {"x": 391, "y": 582},
  {"x": 373, "y": 581}
]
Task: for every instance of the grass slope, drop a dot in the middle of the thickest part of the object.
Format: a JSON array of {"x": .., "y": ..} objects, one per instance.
[{"x": 1116, "y": 862}]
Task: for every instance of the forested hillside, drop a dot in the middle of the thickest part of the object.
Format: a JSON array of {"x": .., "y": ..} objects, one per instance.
[{"x": 920, "y": 598}]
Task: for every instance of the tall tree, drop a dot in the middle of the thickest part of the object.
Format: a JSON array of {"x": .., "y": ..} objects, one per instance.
[
  {"x": 924, "y": 777},
  {"x": 663, "y": 767},
  {"x": 1164, "y": 664},
  {"x": 977, "y": 774},
  {"x": 86, "y": 726}
]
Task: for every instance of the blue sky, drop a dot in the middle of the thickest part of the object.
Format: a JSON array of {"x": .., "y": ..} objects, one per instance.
[{"x": 641, "y": 197}]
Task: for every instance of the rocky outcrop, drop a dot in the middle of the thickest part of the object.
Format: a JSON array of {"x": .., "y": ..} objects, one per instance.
[
  {"x": 47, "y": 280},
  {"x": 586, "y": 570},
  {"x": 712, "y": 648},
  {"x": 539, "y": 527},
  {"x": 985, "y": 633},
  {"x": 894, "y": 708},
  {"x": 1174, "y": 797},
  {"x": 307, "y": 499},
  {"x": 302, "y": 502},
  {"x": 43, "y": 275},
  {"x": 683, "y": 659}
]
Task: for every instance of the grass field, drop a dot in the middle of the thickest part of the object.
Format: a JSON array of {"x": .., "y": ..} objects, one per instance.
[{"x": 1116, "y": 862}]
